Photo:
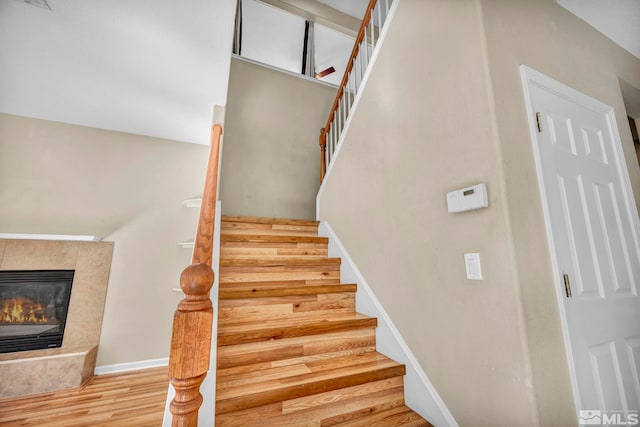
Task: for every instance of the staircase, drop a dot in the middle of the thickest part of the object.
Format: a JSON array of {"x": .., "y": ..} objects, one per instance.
[{"x": 292, "y": 351}]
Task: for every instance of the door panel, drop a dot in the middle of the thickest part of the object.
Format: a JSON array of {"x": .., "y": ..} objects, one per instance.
[
  {"x": 606, "y": 370},
  {"x": 593, "y": 226}
]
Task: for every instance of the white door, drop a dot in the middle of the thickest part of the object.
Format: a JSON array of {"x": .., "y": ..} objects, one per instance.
[{"x": 594, "y": 236}]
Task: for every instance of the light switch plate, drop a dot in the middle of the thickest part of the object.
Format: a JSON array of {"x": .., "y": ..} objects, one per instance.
[{"x": 472, "y": 264}]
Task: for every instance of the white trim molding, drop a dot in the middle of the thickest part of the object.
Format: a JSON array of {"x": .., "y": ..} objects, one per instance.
[
  {"x": 131, "y": 366},
  {"x": 66, "y": 237},
  {"x": 420, "y": 395}
]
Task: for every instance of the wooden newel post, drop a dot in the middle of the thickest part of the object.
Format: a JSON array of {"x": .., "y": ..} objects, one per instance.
[
  {"x": 191, "y": 344},
  {"x": 323, "y": 152}
]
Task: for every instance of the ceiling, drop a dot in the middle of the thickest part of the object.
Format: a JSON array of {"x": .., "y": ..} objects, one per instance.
[
  {"x": 158, "y": 68},
  {"x": 150, "y": 68},
  {"x": 617, "y": 19},
  {"x": 350, "y": 7}
]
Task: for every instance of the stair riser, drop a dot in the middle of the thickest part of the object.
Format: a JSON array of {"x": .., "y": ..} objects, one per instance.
[
  {"x": 239, "y": 250},
  {"x": 322, "y": 409},
  {"x": 242, "y": 337},
  {"x": 306, "y": 389},
  {"x": 228, "y": 287},
  {"x": 260, "y": 309},
  {"x": 269, "y": 229},
  {"x": 266, "y": 220},
  {"x": 226, "y": 292},
  {"x": 279, "y": 273},
  {"x": 293, "y": 350}
]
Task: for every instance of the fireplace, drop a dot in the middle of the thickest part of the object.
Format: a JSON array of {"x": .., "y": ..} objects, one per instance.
[{"x": 33, "y": 308}]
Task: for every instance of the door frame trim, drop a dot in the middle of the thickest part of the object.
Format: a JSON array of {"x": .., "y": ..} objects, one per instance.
[{"x": 532, "y": 78}]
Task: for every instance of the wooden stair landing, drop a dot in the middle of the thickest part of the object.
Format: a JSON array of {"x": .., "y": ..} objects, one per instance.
[{"x": 292, "y": 350}]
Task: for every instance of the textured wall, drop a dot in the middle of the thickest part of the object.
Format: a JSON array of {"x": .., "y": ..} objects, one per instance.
[{"x": 271, "y": 157}]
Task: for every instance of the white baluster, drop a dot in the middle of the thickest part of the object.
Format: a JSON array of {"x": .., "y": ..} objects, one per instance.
[
  {"x": 356, "y": 67},
  {"x": 339, "y": 114},
  {"x": 366, "y": 52},
  {"x": 338, "y": 123},
  {"x": 350, "y": 99},
  {"x": 335, "y": 137},
  {"x": 329, "y": 146},
  {"x": 344, "y": 111},
  {"x": 327, "y": 157},
  {"x": 373, "y": 29}
]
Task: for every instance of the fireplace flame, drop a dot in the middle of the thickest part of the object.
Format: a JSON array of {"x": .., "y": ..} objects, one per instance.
[{"x": 24, "y": 311}]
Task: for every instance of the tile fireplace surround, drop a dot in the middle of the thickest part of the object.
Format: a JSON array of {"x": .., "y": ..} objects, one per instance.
[{"x": 40, "y": 371}]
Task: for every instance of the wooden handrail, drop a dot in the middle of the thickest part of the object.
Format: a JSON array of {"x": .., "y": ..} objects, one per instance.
[
  {"x": 192, "y": 321},
  {"x": 350, "y": 63},
  {"x": 203, "y": 246}
]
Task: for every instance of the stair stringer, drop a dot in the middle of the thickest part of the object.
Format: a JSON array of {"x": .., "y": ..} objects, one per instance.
[{"x": 420, "y": 395}]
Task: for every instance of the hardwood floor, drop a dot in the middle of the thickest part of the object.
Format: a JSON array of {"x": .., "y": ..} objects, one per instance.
[{"x": 130, "y": 399}]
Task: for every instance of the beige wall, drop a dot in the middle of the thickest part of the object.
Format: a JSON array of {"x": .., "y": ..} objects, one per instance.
[
  {"x": 63, "y": 179},
  {"x": 549, "y": 39},
  {"x": 425, "y": 127},
  {"x": 271, "y": 157}
]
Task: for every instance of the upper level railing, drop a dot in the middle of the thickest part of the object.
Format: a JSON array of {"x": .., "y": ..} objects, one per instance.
[
  {"x": 374, "y": 18},
  {"x": 192, "y": 321}
]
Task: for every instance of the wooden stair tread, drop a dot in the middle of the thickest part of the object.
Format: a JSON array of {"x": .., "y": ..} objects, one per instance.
[
  {"x": 266, "y": 220},
  {"x": 394, "y": 417},
  {"x": 248, "y": 290},
  {"x": 261, "y": 387},
  {"x": 282, "y": 261},
  {"x": 237, "y": 333},
  {"x": 271, "y": 238}
]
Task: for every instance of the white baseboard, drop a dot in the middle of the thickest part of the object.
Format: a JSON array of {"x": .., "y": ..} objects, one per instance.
[
  {"x": 131, "y": 366},
  {"x": 420, "y": 395}
]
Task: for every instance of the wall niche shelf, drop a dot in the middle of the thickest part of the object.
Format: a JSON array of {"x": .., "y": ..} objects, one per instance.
[{"x": 192, "y": 203}]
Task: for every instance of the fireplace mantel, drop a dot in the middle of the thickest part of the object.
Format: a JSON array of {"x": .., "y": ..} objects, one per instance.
[{"x": 72, "y": 364}]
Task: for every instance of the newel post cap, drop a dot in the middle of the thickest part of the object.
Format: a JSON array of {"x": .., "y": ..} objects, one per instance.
[{"x": 197, "y": 280}]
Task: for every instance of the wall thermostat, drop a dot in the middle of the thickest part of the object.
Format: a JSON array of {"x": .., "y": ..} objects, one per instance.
[{"x": 467, "y": 199}]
